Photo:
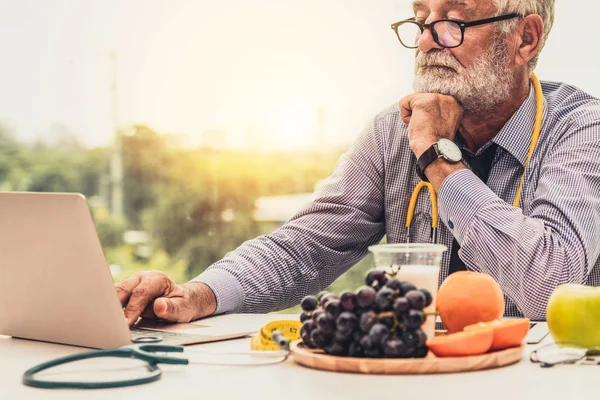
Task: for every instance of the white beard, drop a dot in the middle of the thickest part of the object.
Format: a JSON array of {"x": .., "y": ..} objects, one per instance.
[{"x": 479, "y": 88}]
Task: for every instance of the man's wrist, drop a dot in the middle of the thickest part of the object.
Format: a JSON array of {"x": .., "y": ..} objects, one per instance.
[
  {"x": 439, "y": 170},
  {"x": 422, "y": 147},
  {"x": 202, "y": 299}
]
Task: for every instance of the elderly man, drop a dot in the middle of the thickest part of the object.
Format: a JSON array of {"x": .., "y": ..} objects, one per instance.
[{"x": 467, "y": 130}]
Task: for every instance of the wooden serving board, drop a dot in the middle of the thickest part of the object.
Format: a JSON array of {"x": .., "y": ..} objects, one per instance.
[{"x": 431, "y": 364}]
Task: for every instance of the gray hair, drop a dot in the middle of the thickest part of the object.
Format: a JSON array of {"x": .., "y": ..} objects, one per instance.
[{"x": 544, "y": 8}]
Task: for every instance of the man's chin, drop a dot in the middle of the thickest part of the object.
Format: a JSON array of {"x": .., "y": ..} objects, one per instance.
[{"x": 427, "y": 86}]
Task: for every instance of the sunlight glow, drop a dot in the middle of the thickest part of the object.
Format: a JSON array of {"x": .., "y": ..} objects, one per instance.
[{"x": 293, "y": 126}]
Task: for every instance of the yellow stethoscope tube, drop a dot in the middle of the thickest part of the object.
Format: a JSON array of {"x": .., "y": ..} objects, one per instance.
[{"x": 537, "y": 128}]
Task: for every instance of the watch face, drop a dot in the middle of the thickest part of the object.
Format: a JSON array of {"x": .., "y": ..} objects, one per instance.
[{"x": 449, "y": 150}]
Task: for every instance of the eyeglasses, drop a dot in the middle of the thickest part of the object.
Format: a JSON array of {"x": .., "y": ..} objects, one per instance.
[
  {"x": 565, "y": 353},
  {"x": 448, "y": 33}
]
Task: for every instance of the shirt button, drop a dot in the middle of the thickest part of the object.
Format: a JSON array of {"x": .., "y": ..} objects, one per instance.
[{"x": 450, "y": 224}]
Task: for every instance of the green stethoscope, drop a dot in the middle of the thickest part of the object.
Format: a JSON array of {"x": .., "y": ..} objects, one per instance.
[
  {"x": 539, "y": 97},
  {"x": 144, "y": 352},
  {"x": 147, "y": 353}
]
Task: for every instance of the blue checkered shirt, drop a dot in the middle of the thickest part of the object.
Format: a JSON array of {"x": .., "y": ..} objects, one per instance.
[{"x": 553, "y": 238}]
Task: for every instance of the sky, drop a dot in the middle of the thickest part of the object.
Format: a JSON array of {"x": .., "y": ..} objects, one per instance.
[{"x": 184, "y": 67}]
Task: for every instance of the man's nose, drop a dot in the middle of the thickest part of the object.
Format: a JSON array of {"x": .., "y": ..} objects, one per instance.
[{"x": 427, "y": 43}]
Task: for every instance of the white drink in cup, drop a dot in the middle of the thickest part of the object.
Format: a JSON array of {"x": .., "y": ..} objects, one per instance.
[
  {"x": 423, "y": 277},
  {"x": 417, "y": 263}
]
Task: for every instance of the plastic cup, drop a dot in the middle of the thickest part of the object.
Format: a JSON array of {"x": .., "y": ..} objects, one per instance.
[{"x": 417, "y": 263}]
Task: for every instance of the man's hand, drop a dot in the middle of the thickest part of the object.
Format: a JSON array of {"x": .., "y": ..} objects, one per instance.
[
  {"x": 152, "y": 294},
  {"x": 430, "y": 117}
]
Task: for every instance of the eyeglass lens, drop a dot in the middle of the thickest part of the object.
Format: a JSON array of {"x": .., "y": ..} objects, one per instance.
[
  {"x": 555, "y": 354},
  {"x": 446, "y": 33}
]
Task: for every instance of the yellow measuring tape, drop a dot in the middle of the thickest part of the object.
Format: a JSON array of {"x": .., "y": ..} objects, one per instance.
[{"x": 263, "y": 339}]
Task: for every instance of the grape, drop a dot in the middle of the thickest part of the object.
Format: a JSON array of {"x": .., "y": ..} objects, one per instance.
[
  {"x": 335, "y": 348},
  {"x": 367, "y": 320},
  {"x": 360, "y": 311},
  {"x": 385, "y": 299},
  {"x": 318, "y": 339},
  {"x": 366, "y": 342},
  {"x": 366, "y": 297},
  {"x": 348, "y": 301},
  {"x": 333, "y": 308},
  {"x": 416, "y": 299},
  {"x": 305, "y": 332},
  {"x": 306, "y": 340},
  {"x": 315, "y": 315},
  {"x": 373, "y": 353},
  {"x": 389, "y": 321},
  {"x": 376, "y": 278},
  {"x": 407, "y": 287},
  {"x": 308, "y": 327},
  {"x": 411, "y": 339},
  {"x": 355, "y": 350},
  {"x": 381, "y": 319},
  {"x": 321, "y": 296},
  {"x": 414, "y": 319},
  {"x": 327, "y": 299},
  {"x": 305, "y": 316},
  {"x": 346, "y": 322},
  {"x": 309, "y": 303},
  {"x": 378, "y": 332},
  {"x": 342, "y": 337},
  {"x": 394, "y": 348},
  {"x": 422, "y": 336},
  {"x": 326, "y": 324},
  {"x": 400, "y": 306},
  {"x": 396, "y": 285},
  {"x": 428, "y": 297},
  {"x": 421, "y": 352}
]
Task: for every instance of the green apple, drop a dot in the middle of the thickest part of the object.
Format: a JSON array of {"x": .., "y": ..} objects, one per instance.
[{"x": 573, "y": 314}]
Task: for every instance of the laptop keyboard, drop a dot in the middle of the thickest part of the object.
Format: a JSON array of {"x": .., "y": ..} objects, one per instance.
[{"x": 137, "y": 333}]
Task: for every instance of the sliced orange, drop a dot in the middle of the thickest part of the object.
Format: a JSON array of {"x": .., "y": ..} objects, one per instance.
[
  {"x": 507, "y": 332},
  {"x": 466, "y": 343}
]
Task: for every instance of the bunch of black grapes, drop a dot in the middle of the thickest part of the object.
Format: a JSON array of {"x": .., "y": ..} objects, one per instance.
[{"x": 382, "y": 319}]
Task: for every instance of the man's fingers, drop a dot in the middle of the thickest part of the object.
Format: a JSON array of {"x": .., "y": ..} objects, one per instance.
[
  {"x": 174, "y": 309},
  {"x": 148, "y": 312},
  {"x": 125, "y": 288},
  {"x": 142, "y": 295},
  {"x": 406, "y": 108}
]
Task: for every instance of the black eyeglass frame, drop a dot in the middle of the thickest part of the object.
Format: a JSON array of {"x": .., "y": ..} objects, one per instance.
[{"x": 461, "y": 24}]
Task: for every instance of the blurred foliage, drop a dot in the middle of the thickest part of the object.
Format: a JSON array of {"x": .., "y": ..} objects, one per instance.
[
  {"x": 194, "y": 205},
  {"x": 125, "y": 263},
  {"x": 110, "y": 228}
]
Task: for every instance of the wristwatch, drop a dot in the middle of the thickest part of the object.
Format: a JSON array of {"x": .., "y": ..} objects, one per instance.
[{"x": 444, "y": 148}]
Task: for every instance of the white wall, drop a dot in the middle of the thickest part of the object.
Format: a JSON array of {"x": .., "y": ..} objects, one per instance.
[{"x": 189, "y": 65}]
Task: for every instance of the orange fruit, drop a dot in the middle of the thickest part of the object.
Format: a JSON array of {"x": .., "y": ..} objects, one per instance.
[
  {"x": 468, "y": 343},
  {"x": 466, "y": 298},
  {"x": 507, "y": 332}
]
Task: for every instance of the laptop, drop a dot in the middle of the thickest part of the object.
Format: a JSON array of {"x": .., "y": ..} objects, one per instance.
[{"x": 56, "y": 286}]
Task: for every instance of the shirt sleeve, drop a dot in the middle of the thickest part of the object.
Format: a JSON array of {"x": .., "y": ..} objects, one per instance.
[
  {"x": 556, "y": 243},
  {"x": 315, "y": 246}
]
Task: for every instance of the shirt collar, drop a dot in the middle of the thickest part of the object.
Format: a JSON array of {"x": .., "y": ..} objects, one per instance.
[{"x": 515, "y": 135}]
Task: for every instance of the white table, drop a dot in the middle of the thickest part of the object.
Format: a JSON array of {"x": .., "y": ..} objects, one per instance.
[{"x": 290, "y": 381}]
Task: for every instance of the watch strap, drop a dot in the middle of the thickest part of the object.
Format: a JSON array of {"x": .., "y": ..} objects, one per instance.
[{"x": 429, "y": 156}]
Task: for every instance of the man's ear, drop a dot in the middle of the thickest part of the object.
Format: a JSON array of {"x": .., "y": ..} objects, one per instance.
[{"x": 530, "y": 34}]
